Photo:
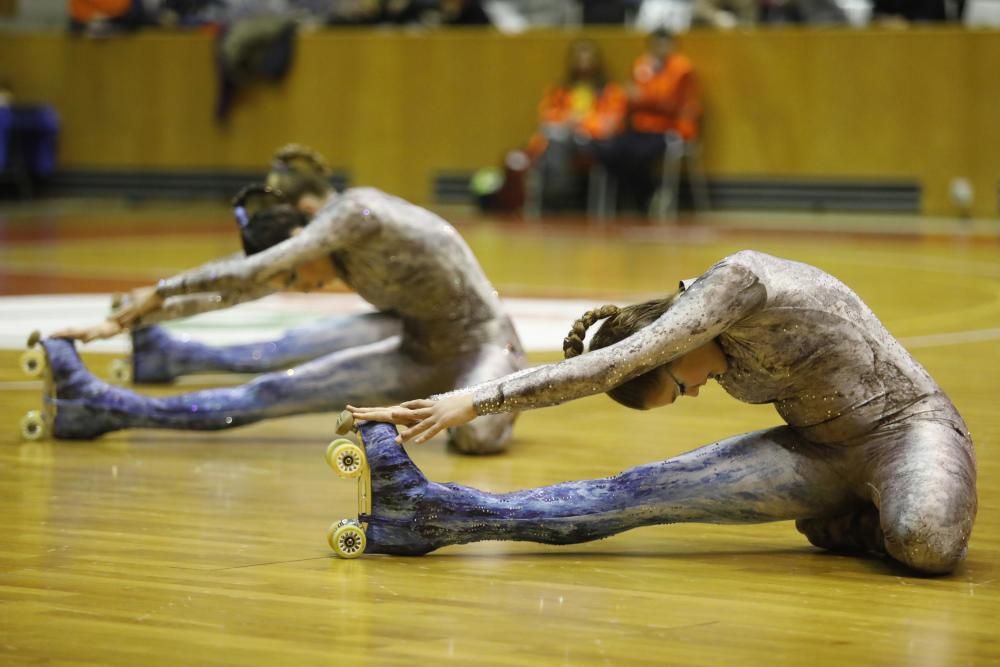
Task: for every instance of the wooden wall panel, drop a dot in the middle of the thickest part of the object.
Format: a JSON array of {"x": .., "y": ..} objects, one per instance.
[{"x": 395, "y": 108}]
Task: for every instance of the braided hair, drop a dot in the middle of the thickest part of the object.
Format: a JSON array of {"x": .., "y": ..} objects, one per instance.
[
  {"x": 620, "y": 323},
  {"x": 573, "y": 342},
  {"x": 297, "y": 171}
]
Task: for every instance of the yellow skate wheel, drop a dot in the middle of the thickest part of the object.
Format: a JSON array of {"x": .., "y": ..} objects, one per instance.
[
  {"x": 120, "y": 371},
  {"x": 33, "y": 362},
  {"x": 347, "y": 539},
  {"x": 33, "y": 426},
  {"x": 346, "y": 458}
]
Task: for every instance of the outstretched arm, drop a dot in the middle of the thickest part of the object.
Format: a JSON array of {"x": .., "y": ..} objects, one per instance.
[
  {"x": 149, "y": 309},
  {"x": 344, "y": 220},
  {"x": 176, "y": 307},
  {"x": 725, "y": 294}
]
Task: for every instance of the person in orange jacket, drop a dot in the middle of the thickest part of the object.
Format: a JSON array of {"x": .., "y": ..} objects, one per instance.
[
  {"x": 663, "y": 98},
  {"x": 582, "y": 109},
  {"x": 104, "y": 17}
]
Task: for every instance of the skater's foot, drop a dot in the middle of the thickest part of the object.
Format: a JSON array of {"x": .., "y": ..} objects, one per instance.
[
  {"x": 73, "y": 396},
  {"x": 401, "y": 497},
  {"x": 151, "y": 352},
  {"x": 857, "y": 532}
]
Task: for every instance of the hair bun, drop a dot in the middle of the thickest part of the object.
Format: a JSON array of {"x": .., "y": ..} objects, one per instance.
[{"x": 312, "y": 160}]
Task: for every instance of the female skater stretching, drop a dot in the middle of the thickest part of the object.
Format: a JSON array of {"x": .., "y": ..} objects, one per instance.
[
  {"x": 872, "y": 457},
  {"x": 299, "y": 176},
  {"x": 440, "y": 324}
]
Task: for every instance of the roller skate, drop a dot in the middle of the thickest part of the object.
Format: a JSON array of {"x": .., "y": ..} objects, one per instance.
[
  {"x": 347, "y": 537},
  {"x": 393, "y": 494},
  {"x": 69, "y": 393},
  {"x": 120, "y": 370},
  {"x": 37, "y": 424},
  {"x": 150, "y": 361}
]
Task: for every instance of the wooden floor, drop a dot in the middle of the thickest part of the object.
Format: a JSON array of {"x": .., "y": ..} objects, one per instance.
[{"x": 154, "y": 547}]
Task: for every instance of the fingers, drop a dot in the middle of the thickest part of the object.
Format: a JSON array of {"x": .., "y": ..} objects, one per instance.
[
  {"x": 418, "y": 432},
  {"x": 434, "y": 428},
  {"x": 73, "y": 333},
  {"x": 65, "y": 333},
  {"x": 393, "y": 415},
  {"x": 418, "y": 415},
  {"x": 125, "y": 317},
  {"x": 418, "y": 403},
  {"x": 373, "y": 414}
]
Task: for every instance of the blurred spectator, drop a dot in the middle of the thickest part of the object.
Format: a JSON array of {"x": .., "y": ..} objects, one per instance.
[
  {"x": 427, "y": 13},
  {"x": 463, "y": 12},
  {"x": 101, "y": 18},
  {"x": 724, "y": 14},
  {"x": 29, "y": 136},
  {"x": 190, "y": 12},
  {"x": 672, "y": 15},
  {"x": 607, "y": 12},
  {"x": 252, "y": 50},
  {"x": 433, "y": 13},
  {"x": 663, "y": 97},
  {"x": 515, "y": 16},
  {"x": 902, "y": 12},
  {"x": 813, "y": 12},
  {"x": 354, "y": 12},
  {"x": 583, "y": 108}
]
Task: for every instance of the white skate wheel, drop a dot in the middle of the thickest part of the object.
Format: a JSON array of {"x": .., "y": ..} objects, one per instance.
[
  {"x": 347, "y": 539},
  {"x": 120, "y": 371},
  {"x": 33, "y": 426},
  {"x": 33, "y": 362},
  {"x": 346, "y": 458}
]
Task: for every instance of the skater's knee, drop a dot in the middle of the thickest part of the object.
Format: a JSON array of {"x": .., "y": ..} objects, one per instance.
[
  {"x": 926, "y": 543},
  {"x": 483, "y": 436},
  {"x": 927, "y": 525}
]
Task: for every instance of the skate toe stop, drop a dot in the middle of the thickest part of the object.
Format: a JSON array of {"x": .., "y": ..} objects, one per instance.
[{"x": 345, "y": 423}]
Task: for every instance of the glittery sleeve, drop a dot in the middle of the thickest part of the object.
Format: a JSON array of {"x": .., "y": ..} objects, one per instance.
[
  {"x": 344, "y": 220},
  {"x": 176, "y": 307},
  {"x": 721, "y": 297}
]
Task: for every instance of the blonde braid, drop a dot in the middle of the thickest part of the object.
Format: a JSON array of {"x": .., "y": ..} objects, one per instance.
[{"x": 573, "y": 343}]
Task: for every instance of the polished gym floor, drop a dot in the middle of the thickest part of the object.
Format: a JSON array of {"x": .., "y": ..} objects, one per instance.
[{"x": 159, "y": 547}]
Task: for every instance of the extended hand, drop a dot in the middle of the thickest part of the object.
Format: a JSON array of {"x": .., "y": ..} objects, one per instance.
[
  {"x": 105, "y": 329},
  {"x": 424, "y": 417},
  {"x": 139, "y": 302}
]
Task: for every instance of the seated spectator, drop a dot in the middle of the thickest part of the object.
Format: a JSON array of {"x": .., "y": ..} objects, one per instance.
[
  {"x": 904, "y": 12},
  {"x": 663, "y": 98},
  {"x": 812, "y": 12},
  {"x": 514, "y": 16},
  {"x": 427, "y": 13},
  {"x": 188, "y": 13},
  {"x": 585, "y": 107},
  {"x": 463, "y": 12},
  {"x": 101, "y": 18},
  {"x": 724, "y": 14}
]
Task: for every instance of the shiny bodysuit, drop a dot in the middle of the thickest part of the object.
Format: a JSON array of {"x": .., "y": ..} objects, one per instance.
[
  {"x": 872, "y": 456},
  {"x": 439, "y": 325}
]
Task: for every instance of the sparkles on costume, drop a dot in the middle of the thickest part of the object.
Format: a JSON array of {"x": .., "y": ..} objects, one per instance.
[
  {"x": 873, "y": 455},
  {"x": 440, "y": 324}
]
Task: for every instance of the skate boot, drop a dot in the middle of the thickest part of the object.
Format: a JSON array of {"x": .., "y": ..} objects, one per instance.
[
  {"x": 391, "y": 493},
  {"x": 150, "y": 363},
  {"x": 70, "y": 395}
]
